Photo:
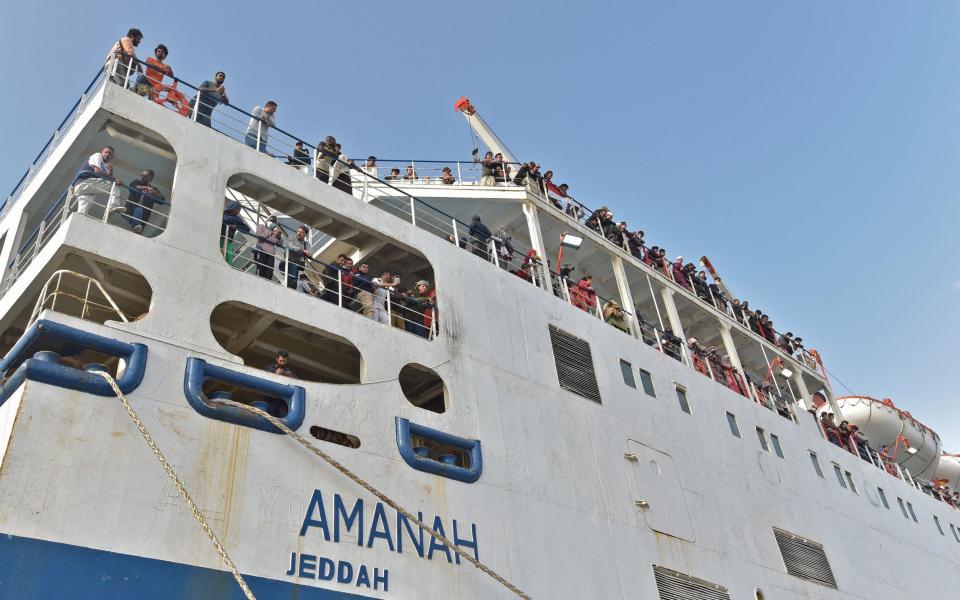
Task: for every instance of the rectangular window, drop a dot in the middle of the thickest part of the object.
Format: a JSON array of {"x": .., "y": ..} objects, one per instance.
[
  {"x": 775, "y": 442},
  {"x": 732, "y": 422},
  {"x": 816, "y": 463},
  {"x": 647, "y": 382},
  {"x": 937, "y": 522},
  {"x": 763, "y": 439},
  {"x": 913, "y": 515},
  {"x": 627, "y": 370},
  {"x": 883, "y": 497},
  {"x": 682, "y": 397},
  {"x": 853, "y": 486},
  {"x": 903, "y": 508},
  {"x": 839, "y": 472}
]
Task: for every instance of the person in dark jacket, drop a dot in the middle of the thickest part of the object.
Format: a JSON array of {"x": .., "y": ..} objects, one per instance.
[
  {"x": 279, "y": 366},
  {"x": 479, "y": 235}
]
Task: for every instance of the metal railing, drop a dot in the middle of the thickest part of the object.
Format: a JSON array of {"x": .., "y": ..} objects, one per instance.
[
  {"x": 53, "y": 142},
  {"x": 87, "y": 304},
  {"x": 379, "y": 187},
  {"x": 251, "y": 253},
  {"x": 96, "y": 198}
]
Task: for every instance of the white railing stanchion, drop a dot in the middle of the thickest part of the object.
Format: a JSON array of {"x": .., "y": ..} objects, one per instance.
[
  {"x": 459, "y": 174},
  {"x": 389, "y": 310},
  {"x": 413, "y": 211},
  {"x": 39, "y": 242},
  {"x": 106, "y": 209},
  {"x": 339, "y": 288},
  {"x": 456, "y": 234},
  {"x": 259, "y": 133},
  {"x": 286, "y": 266}
]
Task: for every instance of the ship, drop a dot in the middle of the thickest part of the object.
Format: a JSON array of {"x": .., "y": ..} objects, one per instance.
[{"x": 237, "y": 364}]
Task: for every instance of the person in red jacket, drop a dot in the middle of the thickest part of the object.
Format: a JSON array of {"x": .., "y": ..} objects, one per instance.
[{"x": 582, "y": 295}]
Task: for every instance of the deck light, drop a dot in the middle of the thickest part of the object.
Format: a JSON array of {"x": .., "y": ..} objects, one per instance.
[{"x": 571, "y": 241}]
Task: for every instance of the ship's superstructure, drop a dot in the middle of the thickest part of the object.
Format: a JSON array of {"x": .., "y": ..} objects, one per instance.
[{"x": 560, "y": 430}]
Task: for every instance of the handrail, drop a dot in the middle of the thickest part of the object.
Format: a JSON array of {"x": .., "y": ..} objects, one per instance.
[{"x": 12, "y": 196}]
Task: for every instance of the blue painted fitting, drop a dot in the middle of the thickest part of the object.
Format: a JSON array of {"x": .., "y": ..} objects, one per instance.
[
  {"x": 198, "y": 371},
  {"x": 47, "y": 356},
  {"x": 405, "y": 432},
  {"x": 30, "y": 360},
  {"x": 262, "y": 405},
  {"x": 448, "y": 459}
]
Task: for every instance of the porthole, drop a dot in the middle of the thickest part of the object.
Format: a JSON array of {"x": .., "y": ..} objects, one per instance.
[{"x": 423, "y": 388}]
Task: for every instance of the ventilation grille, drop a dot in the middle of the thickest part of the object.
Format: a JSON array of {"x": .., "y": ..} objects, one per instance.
[
  {"x": 677, "y": 586},
  {"x": 805, "y": 559},
  {"x": 574, "y": 364}
]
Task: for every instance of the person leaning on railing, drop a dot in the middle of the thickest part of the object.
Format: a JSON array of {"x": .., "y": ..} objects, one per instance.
[
  {"x": 326, "y": 155},
  {"x": 210, "y": 94},
  {"x": 261, "y": 120},
  {"x": 94, "y": 179},
  {"x": 297, "y": 253},
  {"x": 125, "y": 54},
  {"x": 614, "y": 315},
  {"x": 141, "y": 199}
]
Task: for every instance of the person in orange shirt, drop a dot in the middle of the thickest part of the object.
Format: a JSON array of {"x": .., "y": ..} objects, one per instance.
[{"x": 157, "y": 69}]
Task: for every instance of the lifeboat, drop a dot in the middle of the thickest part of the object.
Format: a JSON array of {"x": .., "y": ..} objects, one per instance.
[
  {"x": 949, "y": 469},
  {"x": 916, "y": 446}
]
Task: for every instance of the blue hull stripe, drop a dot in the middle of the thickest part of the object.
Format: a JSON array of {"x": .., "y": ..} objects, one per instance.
[{"x": 31, "y": 568}]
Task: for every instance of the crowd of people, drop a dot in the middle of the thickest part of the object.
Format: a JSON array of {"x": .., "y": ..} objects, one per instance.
[
  {"x": 375, "y": 295},
  {"x": 332, "y": 166},
  {"x": 848, "y": 436}
]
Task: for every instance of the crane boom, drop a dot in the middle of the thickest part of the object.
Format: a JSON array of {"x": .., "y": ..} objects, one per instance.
[
  {"x": 713, "y": 273},
  {"x": 483, "y": 131}
]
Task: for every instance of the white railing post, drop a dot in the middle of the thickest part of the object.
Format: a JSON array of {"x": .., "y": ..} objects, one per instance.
[
  {"x": 413, "y": 213},
  {"x": 459, "y": 174},
  {"x": 106, "y": 209},
  {"x": 339, "y": 287},
  {"x": 259, "y": 132},
  {"x": 39, "y": 242},
  {"x": 414, "y": 175},
  {"x": 196, "y": 107},
  {"x": 126, "y": 79},
  {"x": 456, "y": 234},
  {"x": 286, "y": 266},
  {"x": 492, "y": 251}
]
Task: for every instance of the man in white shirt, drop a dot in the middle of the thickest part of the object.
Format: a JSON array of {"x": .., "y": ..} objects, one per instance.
[
  {"x": 93, "y": 184},
  {"x": 260, "y": 123},
  {"x": 382, "y": 286}
]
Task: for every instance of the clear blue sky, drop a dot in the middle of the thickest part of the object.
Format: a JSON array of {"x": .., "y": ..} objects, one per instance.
[{"x": 809, "y": 148}]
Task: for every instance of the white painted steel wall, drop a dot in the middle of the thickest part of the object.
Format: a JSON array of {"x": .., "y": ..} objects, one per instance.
[{"x": 554, "y": 508}]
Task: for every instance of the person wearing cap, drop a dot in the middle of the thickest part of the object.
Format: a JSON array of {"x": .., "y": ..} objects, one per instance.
[
  {"x": 370, "y": 167},
  {"x": 678, "y": 274},
  {"x": 425, "y": 297},
  {"x": 447, "y": 177},
  {"x": 326, "y": 154}
]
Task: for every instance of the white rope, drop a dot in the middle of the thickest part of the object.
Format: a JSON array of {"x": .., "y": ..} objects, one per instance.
[
  {"x": 380, "y": 495},
  {"x": 179, "y": 485}
]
